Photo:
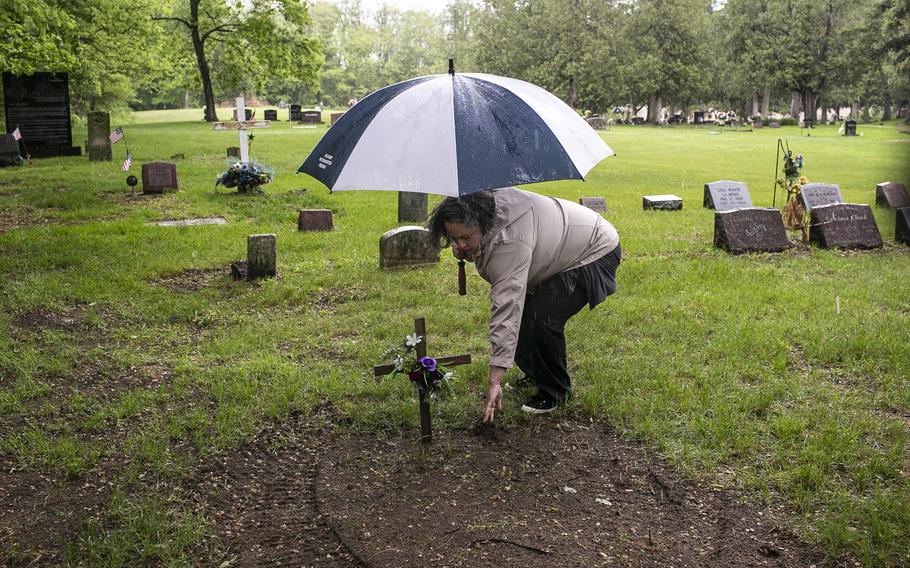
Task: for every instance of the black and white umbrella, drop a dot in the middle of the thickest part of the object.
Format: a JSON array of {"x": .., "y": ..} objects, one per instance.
[{"x": 455, "y": 134}]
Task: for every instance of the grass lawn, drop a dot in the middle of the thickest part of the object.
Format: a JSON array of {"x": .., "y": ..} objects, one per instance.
[{"x": 126, "y": 351}]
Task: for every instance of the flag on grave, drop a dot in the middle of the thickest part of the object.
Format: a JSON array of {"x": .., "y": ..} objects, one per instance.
[
  {"x": 127, "y": 162},
  {"x": 16, "y": 134},
  {"x": 116, "y": 135}
]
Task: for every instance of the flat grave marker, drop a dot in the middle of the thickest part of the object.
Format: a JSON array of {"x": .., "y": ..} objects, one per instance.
[
  {"x": 315, "y": 220},
  {"x": 598, "y": 204},
  {"x": 190, "y": 222},
  {"x": 844, "y": 225},
  {"x": 158, "y": 177},
  {"x": 814, "y": 195},
  {"x": 724, "y": 195},
  {"x": 757, "y": 229},
  {"x": 662, "y": 202},
  {"x": 412, "y": 206},
  {"x": 902, "y": 225},
  {"x": 892, "y": 194},
  {"x": 407, "y": 246}
]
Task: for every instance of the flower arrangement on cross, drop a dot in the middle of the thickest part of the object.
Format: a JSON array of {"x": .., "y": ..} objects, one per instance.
[
  {"x": 794, "y": 214},
  {"x": 425, "y": 372}
]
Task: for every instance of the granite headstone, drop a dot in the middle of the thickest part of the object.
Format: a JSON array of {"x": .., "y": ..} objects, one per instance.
[
  {"x": 9, "y": 151},
  {"x": 850, "y": 128},
  {"x": 336, "y": 116},
  {"x": 844, "y": 225},
  {"x": 597, "y": 122},
  {"x": 99, "y": 137},
  {"x": 902, "y": 225},
  {"x": 315, "y": 220},
  {"x": 662, "y": 202},
  {"x": 270, "y": 114},
  {"x": 260, "y": 256},
  {"x": 598, "y": 204},
  {"x": 891, "y": 194},
  {"x": 412, "y": 206},
  {"x": 310, "y": 117},
  {"x": 814, "y": 195},
  {"x": 294, "y": 113},
  {"x": 724, "y": 195},
  {"x": 757, "y": 229},
  {"x": 158, "y": 177},
  {"x": 39, "y": 105},
  {"x": 407, "y": 246}
]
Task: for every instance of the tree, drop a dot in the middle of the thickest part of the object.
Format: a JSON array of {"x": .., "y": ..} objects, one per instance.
[{"x": 252, "y": 41}]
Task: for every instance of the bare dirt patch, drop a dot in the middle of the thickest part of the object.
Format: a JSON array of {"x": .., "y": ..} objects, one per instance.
[
  {"x": 191, "y": 279},
  {"x": 548, "y": 493}
]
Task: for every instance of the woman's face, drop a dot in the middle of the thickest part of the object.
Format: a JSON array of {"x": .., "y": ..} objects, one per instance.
[{"x": 465, "y": 240}]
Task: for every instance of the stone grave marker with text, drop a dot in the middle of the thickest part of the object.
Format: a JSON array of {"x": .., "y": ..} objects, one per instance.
[
  {"x": 902, "y": 225},
  {"x": 850, "y": 128},
  {"x": 247, "y": 114},
  {"x": 412, "y": 206},
  {"x": 260, "y": 256},
  {"x": 756, "y": 229},
  {"x": 158, "y": 177},
  {"x": 407, "y": 246},
  {"x": 814, "y": 195},
  {"x": 891, "y": 194},
  {"x": 310, "y": 117},
  {"x": 725, "y": 195},
  {"x": 294, "y": 113},
  {"x": 99, "y": 137},
  {"x": 315, "y": 220},
  {"x": 9, "y": 151},
  {"x": 662, "y": 202},
  {"x": 598, "y": 204},
  {"x": 39, "y": 105},
  {"x": 270, "y": 114},
  {"x": 596, "y": 122},
  {"x": 844, "y": 225}
]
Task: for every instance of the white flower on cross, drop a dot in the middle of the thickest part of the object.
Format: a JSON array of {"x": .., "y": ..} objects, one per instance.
[
  {"x": 399, "y": 362},
  {"x": 412, "y": 340}
]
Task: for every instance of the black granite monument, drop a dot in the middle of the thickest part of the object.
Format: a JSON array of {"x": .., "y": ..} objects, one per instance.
[
  {"x": 757, "y": 229},
  {"x": 39, "y": 105},
  {"x": 844, "y": 225}
]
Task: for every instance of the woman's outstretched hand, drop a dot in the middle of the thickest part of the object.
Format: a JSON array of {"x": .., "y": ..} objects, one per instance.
[{"x": 494, "y": 394}]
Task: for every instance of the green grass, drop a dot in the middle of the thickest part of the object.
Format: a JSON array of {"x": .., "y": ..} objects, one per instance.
[{"x": 737, "y": 369}]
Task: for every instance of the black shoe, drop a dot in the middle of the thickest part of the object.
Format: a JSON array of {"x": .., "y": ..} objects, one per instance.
[{"x": 540, "y": 403}]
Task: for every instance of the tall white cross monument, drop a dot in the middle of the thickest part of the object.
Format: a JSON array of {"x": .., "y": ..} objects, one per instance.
[{"x": 241, "y": 124}]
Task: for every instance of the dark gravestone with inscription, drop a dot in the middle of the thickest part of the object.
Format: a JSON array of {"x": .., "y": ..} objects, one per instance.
[
  {"x": 9, "y": 151},
  {"x": 662, "y": 202},
  {"x": 99, "y": 137},
  {"x": 757, "y": 229},
  {"x": 598, "y": 204},
  {"x": 844, "y": 225},
  {"x": 310, "y": 117},
  {"x": 412, "y": 206},
  {"x": 902, "y": 225},
  {"x": 315, "y": 220},
  {"x": 407, "y": 246},
  {"x": 270, "y": 114},
  {"x": 247, "y": 114},
  {"x": 158, "y": 177},
  {"x": 294, "y": 113},
  {"x": 850, "y": 128},
  {"x": 814, "y": 195},
  {"x": 725, "y": 195},
  {"x": 39, "y": 105},
  {"x": 891, "y": 194}
]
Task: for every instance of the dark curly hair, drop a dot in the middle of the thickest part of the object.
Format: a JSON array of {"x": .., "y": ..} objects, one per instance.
[{"x": 476, "y": 210}]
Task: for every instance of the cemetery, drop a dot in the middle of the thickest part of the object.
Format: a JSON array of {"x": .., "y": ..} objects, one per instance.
[{"x": 235, "y": 342}]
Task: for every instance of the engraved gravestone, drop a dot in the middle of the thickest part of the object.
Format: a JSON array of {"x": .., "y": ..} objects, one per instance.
[
  {"x": 247, "y": 114},
  {"x": 336, "y": 116},
  {"x": 270, "y": 114},
  {"x": 598, "y": 204},
  {"x": 294, "y": 113},
  {"x": 9, "y": 151},
  {"x": 260, "y": 256},
  {"x": 99, "y": 137},
  {"x": 757, "y": 229},
  {"x": 310, "y": 117},
  {"x": 315, "y": 220},
  {"x": 662, "y": 202},
  {"x": 596, "y": 122},
  {"x": 891, "y": 194},
  {"x": 407, "y": 246},
  {"x": 158, "y": 177},
  {"x": 814, "y": 195},
  {"x": 412, "y": 206},
  {"x": 850, "y": 128},
  {"x": 844, "y": 225},
  {"x": 902, "y": 225},
  {"x": 39, "y": 105},
  {"x": 725, "y": 195}
]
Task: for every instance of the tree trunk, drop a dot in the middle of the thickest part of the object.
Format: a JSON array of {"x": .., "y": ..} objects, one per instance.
[
  {"x": 754, "y": 105},
  {"x": 199, "y": 47},
  {"x": 867, "y": 117},
  {"x": 573, "y": 93},
  {"x": 765, "y": 101},
  {"x": 655, "y": 106},
  {"x": 886, "y": 109},
  {"x": 794, "y": 104},
  {"x": 186, "y": 99}
]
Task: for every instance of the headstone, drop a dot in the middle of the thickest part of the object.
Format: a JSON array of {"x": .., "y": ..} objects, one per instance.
[
  {"x": 315, "y": 220},
  {"x": 412, "y": 206},
  {"x": 407, "y": 246},
  {"x": 725, "y": 195},
  {"x": 663, "y": 202},
  {"x": 892, "y": 194},
  {"x": 336, "y": 116},
  {"x": 270, "y": 114},
  {"x": 638, "y": 120},
  {"x": 9, "y": 151},
  {"x": 597, "y": 122},
  {"x": 756, "y": 123},
  {"x": 310, "y": 117},
  {"x": 773, "y": 125},
  {"x": 844, "y": 225},
  {"x": 99, "y": 137},
  {"x": 698, "y": 116},
  {"x": 260, "y": 256},
  {"x": 902, "y": 225},
  {"x": 233, "y": 152},
  {"x": 294, "y": 113},
  {"x": 247, "y": 114},
  {"x": 158, "y": 177},
  {"x": 39, "y": 105},
  {"x": 817, "y": 194},
  {"x": 757, "y": 229},
  {"x": 598, "y": 204},
  {"x": 808, "y": 123},
  {"x": 850, "y": 128}
]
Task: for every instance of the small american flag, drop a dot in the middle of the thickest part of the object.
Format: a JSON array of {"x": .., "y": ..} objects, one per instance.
[
  {"x": 16, "y": 134},
  {"x": 127, "y": 162},
  {"x": 117, "y": 135}
]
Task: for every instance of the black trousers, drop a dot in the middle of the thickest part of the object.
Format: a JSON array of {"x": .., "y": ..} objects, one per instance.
[{"x": 541, "y": 349}]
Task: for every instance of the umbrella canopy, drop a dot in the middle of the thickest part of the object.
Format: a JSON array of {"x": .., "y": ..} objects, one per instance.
[{"x": 455, "y": 134}]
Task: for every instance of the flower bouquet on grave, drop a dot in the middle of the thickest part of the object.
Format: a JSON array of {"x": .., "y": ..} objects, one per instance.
[
  {"x": 794, "y": 215},
  {"x": 422, "y": 371},
  {"x": 245, "y": 176}
]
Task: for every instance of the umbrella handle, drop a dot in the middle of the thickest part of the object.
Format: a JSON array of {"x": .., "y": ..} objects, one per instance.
[{"x": 462, "y": 280}]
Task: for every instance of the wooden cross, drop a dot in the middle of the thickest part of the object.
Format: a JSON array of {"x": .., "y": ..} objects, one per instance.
[
  {"x": 242, "y": 125},
  {"x": 420, "y": 330}
]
